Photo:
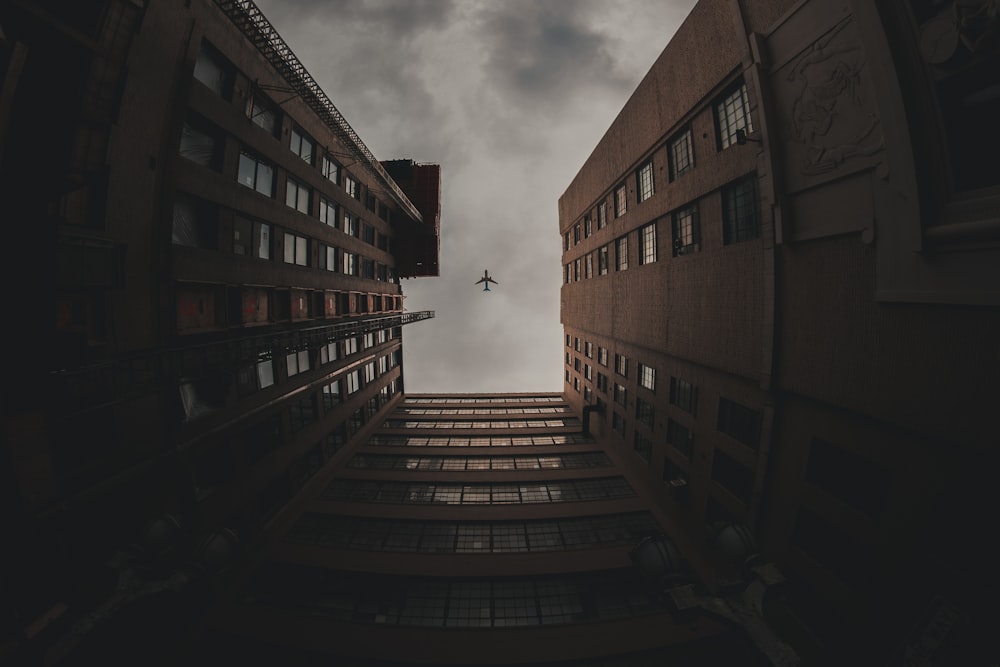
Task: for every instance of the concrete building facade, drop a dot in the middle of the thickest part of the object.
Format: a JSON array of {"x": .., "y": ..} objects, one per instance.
[{"x": 780, "y": 292}]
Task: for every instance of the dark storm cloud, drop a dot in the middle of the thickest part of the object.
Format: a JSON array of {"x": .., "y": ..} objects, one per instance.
[{"x": 509, "y": 97}]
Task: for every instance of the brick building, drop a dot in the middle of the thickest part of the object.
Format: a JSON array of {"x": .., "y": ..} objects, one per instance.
[
  {"x": 780, "y": 296},
  {"x": 209, "y": 306}
]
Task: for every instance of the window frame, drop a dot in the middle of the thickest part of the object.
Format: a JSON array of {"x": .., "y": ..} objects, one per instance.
[{"x": 644, "y": 185}]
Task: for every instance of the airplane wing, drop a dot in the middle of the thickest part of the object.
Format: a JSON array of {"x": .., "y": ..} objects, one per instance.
[
  {"x": 491, "y": 281},
  {"x": 479, "y": 281}
]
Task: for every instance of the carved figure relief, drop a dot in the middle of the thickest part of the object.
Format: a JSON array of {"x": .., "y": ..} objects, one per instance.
[{"x": 829, "y": 115}]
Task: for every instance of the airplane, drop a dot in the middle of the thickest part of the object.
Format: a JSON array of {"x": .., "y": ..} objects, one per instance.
[{"x": 486, "y": 279}]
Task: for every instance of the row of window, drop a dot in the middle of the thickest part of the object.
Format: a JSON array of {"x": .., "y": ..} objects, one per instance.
[
  {"x": 504, "y": 399},
  {"x": 462, "y": 463},
  {"x": 441, "y": 493},
  {"x": 740, "y": 222},
  {"x": 509, "y": 602},
  {"x": 480, "y": 441},
  {"x": 398, "y": 535},
  {"x": 495, "y": 423},
  {"x": 482, "y": 411},
  {"x": 732, "y": 117}
]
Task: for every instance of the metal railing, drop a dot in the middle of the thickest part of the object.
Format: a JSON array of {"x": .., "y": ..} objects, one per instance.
[{"x": 255, "y": 26}]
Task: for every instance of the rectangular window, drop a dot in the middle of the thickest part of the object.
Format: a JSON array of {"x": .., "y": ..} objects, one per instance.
[
  {"x": 589, "y": 266},
  {"x": 213, "y": 70},
  {"x": 621, "y": 365},
  {"x": 647, "y": 377},
  {"x": 681, "y": 154},
  {"x": 368, "y": 268},
  {"x": 576, "y": 344},
  {"x": 301, "y": 145},
  {"x": 201, "y": 143},
  {"x": 368, "y": 234},
  {"x": 350, "y": 346},
  {"x": 369, "y": 372},
  {"x": 587, "y": 227},
  {"x": 297, "y": 196},
  {"x": 261, "y": 112},
  {"x": 567, "y": 278},
  {"x": 588, "y": 349},
  {"x": 297, "y": 362},
  {"x": 328, "y": 213},
  {"x": 588, "y": 372},
  {"x": 618, "y": 423},
  {"x": 576, "y": 384},
  {"x": 602, "y": 382},
  {"x": 740, "y": 221},
  {"x": 733, "y": 475},
  {"x": 644, "y": 412},
  {"x": 195, "y": 223},
  {"x": 352, "y": 224},
  {"x": 732, "y": 113},
  {"x": 296, "y": 250},
  {"x": 686, "y": 232},
  {"x": 331, "y": 394},
  {"x": 602, "y": 260},
  {"x": 621, "y": 253},
  {"x": 328, "y": 353},
  {"x": 740, "y": 422},
  {"x": 350, "y": 264},
  {"x": 647, "y": 243},
  {"x": 620, "y": 394},
  {"x": 331, "y": 169},
  {"x": 577, "y": 271},
  {"x": 643, "y": 446},
  {"x": 328, "y": 258},
  {"x": 352, "y": 187},
  {"x": 644, "y": 181},
  {"x": 576, "y": 233},
  {"x": 353, "y": 381},
  {"x": 566, "y": 241},
  {"x": 621, "y": 200},
  {"x": 251, "y": 238},
  {"x": 684, "y": 395},
  {"x": 256, "y": 174},
  {"x": 602, "y": 355},
  {"x": 576, "y": 364},
  {"x": 679, "y": 437},
  {"x": 602, "y": 214}
]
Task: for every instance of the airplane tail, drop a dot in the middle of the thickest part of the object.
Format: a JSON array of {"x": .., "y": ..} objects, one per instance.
[{"x": 486, "y": 287}]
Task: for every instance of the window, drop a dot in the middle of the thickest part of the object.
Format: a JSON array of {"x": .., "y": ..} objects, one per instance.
[
  {"x": 251, "y": 238},
  {"x": 352, "y": 224},
  {"x": 621, "y": 365},
  {"x": 213, "y": 70},
  {"x": 732, "y": 475},
  {"x": 328, "y": 213},
  {"x": 681, "y": 154},
  {"x": 644, "y": 412},
  {"x": 256, "y": 174},
  {"x": 352, "y": 187},
  {"x": 644, "y": 181},
  {"x": 618, "y": 423},
  {"x": 576, "y": 344},
  {"x": 732, "y": 112},
  {"x": 602, "y": 355},
  {"x": 621, "y": 200},
  {"x": 643, "y": 446},
  {"x": 566, "y": 241},
  {"x": 195, "y": 223},
  {"x": 200, "y": 143},
  {"x": 297, "y": 362},
  {"x": 621, "y": 253},
  {"x": 589, "y": 266},
  {"x": 331, "y": 170},
  {"x": 576, "y": 364},
  {"x": 350, "y": 264},
  {"x": 261, "y": 113},
  {"x": 684, "y": 395},
  {"x": 647, "y": 377},
  {"x": 368, "y": 268},
  {"x": 587, "y": 227},
  {"x": 740, "y": 422},
  {"x": 296, "y": 250},
  {"x": 567, "y": 278},
  {"x": 686, "y": 232},
  {"x": 369, "y": 372},
  {"x": 602, "y": 382},
  {"x": 739, "y": 211},
  {"x": 588, "y": 349},
  {"x": 602, "y": 260},
  {"x": 328, "y": 353},
  {"x": 577, "y": 272},
  {"x": 302, "y": 145},
  {"x": 588, "y": 372},
  {"x": 353, "y": 381},
  {"x": 602, "y": 214},
  {"x": 368, "y": 234},
  {"x": 679, "y": 437},
  {"x": 576, "y": 384},
  {"x": 297, "y": 196},
  {"x": 331, "y": 394},
  {"x": 576, "y": 233},
  {"x": 328, "y": 258},
  {"x": 647, "y": 243},
  {"x": 350, "y": 346},
  {"x": 620, "y": 394}
]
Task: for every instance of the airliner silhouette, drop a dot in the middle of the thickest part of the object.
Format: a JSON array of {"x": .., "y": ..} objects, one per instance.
[{"x": 486, "y": 279}]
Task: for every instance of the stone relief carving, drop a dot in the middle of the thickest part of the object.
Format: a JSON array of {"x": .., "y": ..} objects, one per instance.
[{"x": 830, "y": 117}]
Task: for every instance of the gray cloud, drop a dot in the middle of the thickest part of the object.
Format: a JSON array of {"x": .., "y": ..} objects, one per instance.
[{"x": 510, "y": 98}]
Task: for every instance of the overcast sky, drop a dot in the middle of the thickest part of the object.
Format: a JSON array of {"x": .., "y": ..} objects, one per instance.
[{"x": 509, "y": 97}]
